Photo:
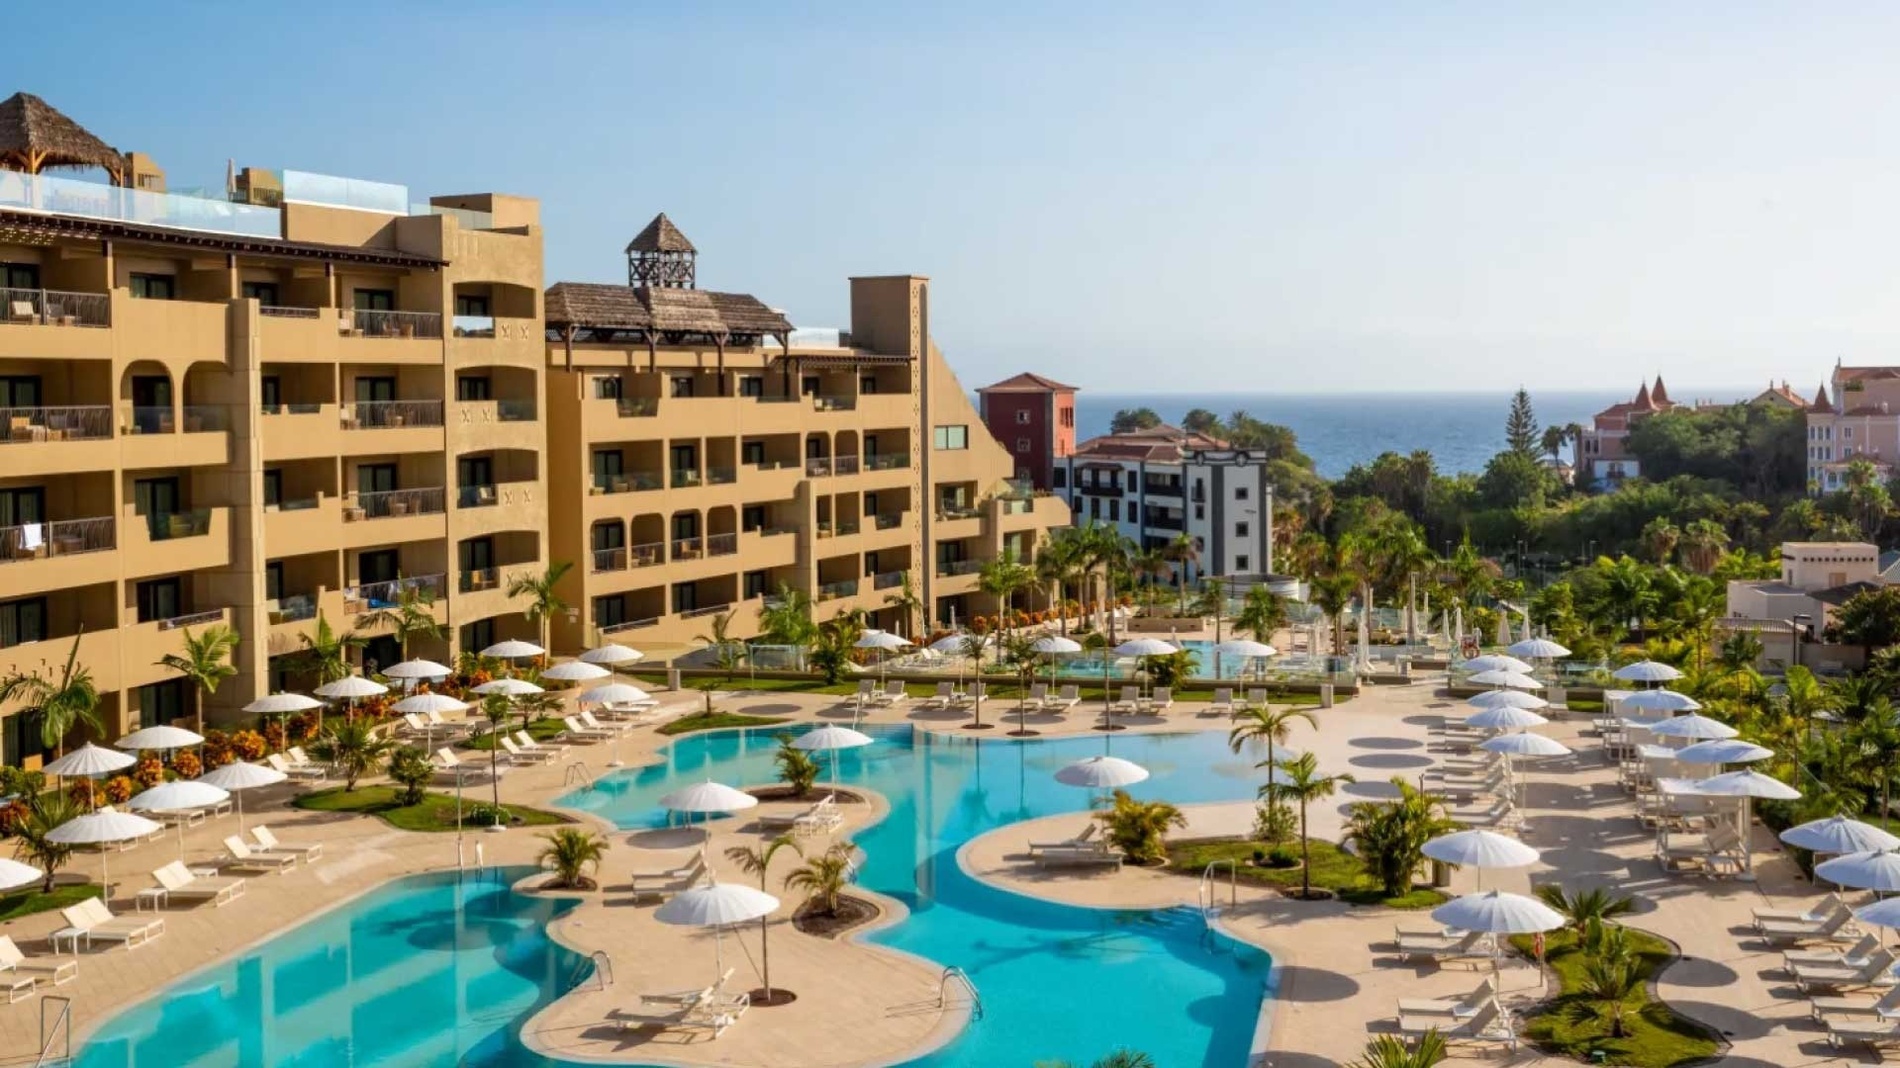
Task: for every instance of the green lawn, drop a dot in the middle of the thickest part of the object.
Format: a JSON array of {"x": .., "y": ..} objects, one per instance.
[
  {"x": 436, "y": 813},
  {"x": 702, "y": 721},
  {"x": 1585, "y": 705},
  {"x": 1333, "y": 869},
  {"x": 540, "y": 730},
  {"x": 1657, "y": 1037},
  {"x": 27, "y": 902}
]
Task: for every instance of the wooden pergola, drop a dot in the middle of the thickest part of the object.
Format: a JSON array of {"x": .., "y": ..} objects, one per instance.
[{"x": 35, "y": 135}]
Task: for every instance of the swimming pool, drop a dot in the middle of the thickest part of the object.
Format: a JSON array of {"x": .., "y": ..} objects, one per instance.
[
  {"x": 1087, "y": 667},
  {"x": 436, "y": 969},
  {"x": 1056, "y": 981},
  {"x": 443, "y": 969}
]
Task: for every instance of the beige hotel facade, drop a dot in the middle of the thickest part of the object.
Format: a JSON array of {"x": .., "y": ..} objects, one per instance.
[{"x": 306, "y": 399}]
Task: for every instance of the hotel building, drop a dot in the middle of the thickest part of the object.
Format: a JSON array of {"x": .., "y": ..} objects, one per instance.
[
  {"x": 1860, "y": 422},
  {"x": 705, "y": 454},
  {"x": 1034, "y": 418}
]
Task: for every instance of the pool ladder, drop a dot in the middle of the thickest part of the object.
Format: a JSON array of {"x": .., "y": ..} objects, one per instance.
[
  {"x": 943, "y": 991},
  {"x": 1210, "y": 891},
  {"x": 60, "y": 1027},
  {"x": 577, "y": 774}
]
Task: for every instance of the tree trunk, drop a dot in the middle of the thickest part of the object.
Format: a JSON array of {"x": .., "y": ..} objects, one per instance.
[
  {"x": 1306, "y": 857},
  {"x": 200, "y": 709}
]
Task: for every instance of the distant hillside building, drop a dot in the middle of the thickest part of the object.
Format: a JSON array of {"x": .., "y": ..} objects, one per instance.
[
  {"x": 1602, "y": 456},
  {"x": 1155, "y": 485},
  {"x": 1034, "y": 418},
  {"x": 1861, "y": 421}
]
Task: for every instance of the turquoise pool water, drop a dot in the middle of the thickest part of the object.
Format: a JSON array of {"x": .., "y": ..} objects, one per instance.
[
  {"x": 428, "y": 970},
  {"x": 443, "y": 969},
  {"x": 1056, "y": 981}
]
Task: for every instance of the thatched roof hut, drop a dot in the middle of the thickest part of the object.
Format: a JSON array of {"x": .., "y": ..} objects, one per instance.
[
  {"x": 35, "y": 135},
  {"x": 608, "y": 309},
  {"x": 660, "y": 235}
]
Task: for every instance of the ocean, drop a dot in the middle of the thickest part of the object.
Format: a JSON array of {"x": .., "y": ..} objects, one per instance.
[{"x": 1462, "y": 430}]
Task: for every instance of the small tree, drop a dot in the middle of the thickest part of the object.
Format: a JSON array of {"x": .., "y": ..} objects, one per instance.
[
  {"x": 718, "y": 638},
  {"x": 823, "y": 878},
  {"x": 1300, "y": 780},
  {"x": 1871, "y": 620},
  {"x": 326, "y": 652},
  {"x": 544, "y": 602},
  {"x": 1390, "y": 836},
  {"x": 205, "y": 663},
  {"x": 409, "y": 767},
  {"x": 1520, "y": 427},
  {"x": 1585, "y": 906},
  {"x": 495, "y": 708},
  {"x": 64, "y": 704},
  {"x": 757, "y": 860},
  {"x": 411, "y": 616},
  {"x": 1272, "y": 727},
  {"x": 1140, "y": 828},
  {"x": 569, "y": 854},
  {"x": 1606, "y": 988},
  {"x": 354, "y": 747},
  {"x": 796, "y": 768},
  {"x": 909, "y": 605},
  {"x": 45, "y": 811},
  {"x": 1390, "y": 1051}
]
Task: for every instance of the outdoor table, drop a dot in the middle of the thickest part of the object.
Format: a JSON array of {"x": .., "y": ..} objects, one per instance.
[
  {"x": 74, "y": 934},
  {"x": 156, "y": 896}
]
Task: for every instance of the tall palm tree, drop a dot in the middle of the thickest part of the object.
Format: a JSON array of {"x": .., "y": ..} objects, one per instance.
[
  {"x": 1057, "y": 566},
  {"x": 1703, "y": 543},
  {"x": 1148, "y": 566},
  {"x": 1270, "y": 726},
  {"x": 910, "y": 606},
  {"x": 785, "y": 618},
  {"x": 823, "y": 877},
  {"x": 1660, "y": 538},
  {"x": 1299, "y": 780},
  {"x": 1182, "y": 555},
  {"x": 326, "y": 652},
  {"x": 1261, "y": 614},
  {"x": 206, "y": 662},
  {"x": 544, "y": 600},
  {"x": 1001, "y": 578},
  {"x": 757, "y": 860},
  {"x": 411, "y": 616},
  {"x": 63, "y": 704},
  {"x": 718, "y": 638}
]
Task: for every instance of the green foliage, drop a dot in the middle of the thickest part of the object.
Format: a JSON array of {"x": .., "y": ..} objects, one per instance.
[
  {"x": 570, "y": 853},
  {"x": 409, "y": 768},
  {"x": 1140, "y": 828},
  {"x": 44, "y": 812},
  {"x": 824, "y": 877},
  {"x": 1579, "y": 1020},
  {"x": 1521, "y": 434},
  {"x": 542, "y": 593},
  {"x": 1390, "y": 836},
  {"x": 757, "y": 860},
  {"x": 706, "y": 721},
  {"x": 326, "y": 652},
  {"x": 1760, "y": 450},
  {"x": 28, "y": 902},
  {"x": 1870, "y": 619},
  {"x": 436, "y": 812},
  {"x": 1584, "y": 907},
  {"x": 1391, "y": 1051},
  {"x": 796, "y": 768},
  {"x": 1172, "y": 669},
  {"x": 1299, "y": 781},
  {"x": 353, "y": 746},
  {"x": 1328, "y": 866},
  {"x": 411, "y": 616},
  {"x": 1274, "y": 823},
  {"x": 63, "y": 704},
  {"x": 1129, "y": 420},
  {"x": 205, "y": 663},
  {"x": 1121, "y": 1058}
]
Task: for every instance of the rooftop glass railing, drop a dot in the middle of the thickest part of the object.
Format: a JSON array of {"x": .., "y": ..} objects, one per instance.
[
  {"x": 358, "y": 193},
  {"x": 93, "y": 200}
]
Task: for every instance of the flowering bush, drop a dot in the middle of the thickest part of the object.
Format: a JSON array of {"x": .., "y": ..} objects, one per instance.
[
  {"x": 216, "y": 752},
  {"x": 10, "y": 816},
  {"x": 86, "y": 792},
  {"x": 274, "y": 737},
  {"x": 149, "y": 772},
  {"x": 248, "y": 745},
  {"x": 187, "y": 764},
  {"x": 120, "y": 788},
  {"x": 303, "y": 727}
]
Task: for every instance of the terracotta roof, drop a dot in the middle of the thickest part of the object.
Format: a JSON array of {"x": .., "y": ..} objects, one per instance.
[
  {"x": 1857, "y": 374},
  {"x": 1659, "y": 395},
  {"x": 34, "y": 135},
  {"x": 660, "y": 236},
  {"x": 1160, "y": 444},
  {"x": 589, "y": 305},
  {"x": 1027, "y": 382},
  {"x": 1642, "y": 397},
  {"x": 92, "y": 229},
  {"x": 1821, "y": 403}
]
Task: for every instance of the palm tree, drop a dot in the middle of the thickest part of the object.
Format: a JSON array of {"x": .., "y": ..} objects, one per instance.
[
  {"x": 1182, "y": 554},
  {"x": 355, "y": 746},
  {"x": 974, "y": 646},
  {"x": 412, "y": 616},
  {"x": 1212, "y": 601},
  {"x": 1268, "y": 726},
  {"x": 757, "y": 860},
  {"x": 1300, "y": 780},
  {"x": 206, "y": 662},
  {"x": 326, "y": 653},
  {"x": 718, "y": 638},
  {"x": 1660, "y": 538},
  {"x": 1332, "y": 594},
  {"x": 1390, "y": 1051},
  {"x": 786, "y": 619},
  {"x": 1584, "y": 906},
  {"x": 1140, "y": 828},
  {"x": 1877, "y": 734},
  {"x": 1121, "y": 1058},
  {"x": 1390, "y": 836},
  {"x": 568, "y": 854},
  {"x": 1261, "y": 614},
  {"x": 63, "y": 705},
  {"x": 1607, "y": 985},
  {"x": 544, "y": 602},
  {"x": 1001, "y": 578},
  {"x": 45, "y": 811},
  {"x": 824, "y": 877},
  {"x": 1703, "y": 543},
  {"x": 495, "y": 708},
  {"x": 910, "y": 607},
  {"x": 409, "y": 768}
]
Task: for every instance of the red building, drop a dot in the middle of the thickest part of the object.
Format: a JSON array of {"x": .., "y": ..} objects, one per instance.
[{"x": 1034, "y": 418}]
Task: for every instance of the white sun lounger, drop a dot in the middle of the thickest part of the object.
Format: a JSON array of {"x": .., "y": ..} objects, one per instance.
[
  {"x": 524, "y": 756},
  {"x": 97, "y": 922},
  {"x": 1886, "y": 1007},
  {"x": 1467, "y": 1004},
  {"x": 244, "y": 858},
  {"x": 1222, "y": 704},
  {"x": 20, "y": 974},
  {"x": 267, "y": 840},
  {"x": 180, "y": 884},
  {"x": 526, "y": 743},
  {"x": 580, "y": 732}
]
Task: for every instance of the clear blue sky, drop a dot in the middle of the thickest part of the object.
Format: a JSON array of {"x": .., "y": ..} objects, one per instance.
[{"x": 1247, "y": 197}]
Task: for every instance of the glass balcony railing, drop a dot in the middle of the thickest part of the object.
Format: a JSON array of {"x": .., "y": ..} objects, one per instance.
[
  {"x": 610, "y": 559},
  {"x": 393, "y": 503},
  {"x": 358, "y": 193},
  {"x": 637, "y": 406},
  {"x": 92, "y": 200},
  {"x": 89, "y": 423},
  {"x": 950, "y": 568},
  {"x": 378, "y": 595},
  {"x": 206, "y": 418},
  {"x": 831, "y": 591},
  {"x": 372, "y": 415},
  {"x": 887, "y": 580},
  {"x": 629, "y": 482},
  {"x": 887, "y": 461},
  {"x": 169, "y": 526},
  {"x": 652, "y": 554},
  {"x": 473, "y": 325},
  {"x": 722, "y": 544},
  {"x": 688, "y": 548},
  {"x": 194, "y": 619},
  {"x": 50, "y": 307},
  {"x": 65, "y": 537},
  {"x": 403, "y": 324},
  {"x": 515, "y": 411},
  {"x": 294, "y": 609},
  {"x": 631, "y": 624}
]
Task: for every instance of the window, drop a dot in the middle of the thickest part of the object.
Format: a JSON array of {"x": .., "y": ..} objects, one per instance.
[
  {"x": 160, "y": 599},
  {"x": 754, "y": 584},
  {"x": 373, "y": 299},
  {"x": 1240, "y": 562},
  {"x": 379, "y": 565},
  {"x": 19, "y": 391},
  {"x": 607, "y": 387},
  {"x": 686, "y": 526},
  {"x": 264, "y": 293},
  {"x": 1240, "y": 493},
  {"x": 867, "y": 384},
  {"x": 1068, "y": 417},
  {"x": 752, "y": 517},
  {"x": 808, "y": 386},
  {"x": 685, "y": 596},
  {"x": 273, "y": 486},
  {"x": 474, "y": 388},
  {"x": 270, "y": 392},
  {"x": 610, "y": 611},
  {"x": 22, "y": 621},
  {"x": 1200, "y": 511},
  {"x": 162, "y": 702},
  {"x": 373, "y": 388},
  {"x": 155, "y": 286},
  {"x": 18, "y": 507},
  {"x": 20, "y": 275},
  {"x": 610, "y": 534},
  {"x": 1022, "y": 444},
  {"x": 274, "y": 580},
  {"x": 1095, "y": 508},
  {"x": 1847, "y": 432},
  {"x": 685, "y": 458},
  {"x": 751, "y": 385},
  {"x": 1060, "y": 478},
  {"x": 1241, "y": 530},
  {"x": 472, "y": 306},
  {"x": 478, "y": 635},
  {"x": 951, "y": 437},
  {"x": 1022, "y": 417},
  {"x": 682, "y": 385},
  {"x": 1115, "y": 511},
  {"x": 607, "y": 470},
  {"x": 752, "y": 452},
  {"x": 1134, "y": 512}
]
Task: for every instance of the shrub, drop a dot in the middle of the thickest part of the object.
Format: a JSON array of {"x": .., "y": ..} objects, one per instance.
[
  {"x": 568, "y": 854},
  {"x": 796, "y": 768},
  {"x": 86, "y": 793},
  {"x": 1273, "y": 824},
  {"x": 1140, "y": 828},
  {"x": 1282, "y": 857},
  {"x": 187, "y": 764},
  {"x": 216, "y": 752},
  {"x": 276, "y": 739},
  {"x": 248, "y": 745},
  {"x": 11, "y": 815},
  {"x": 149, "y": 772},
  {"x": 483, "y": 814},
  {"x": 120, "y": 788},
  {"x": 302, "y": 728},
  {"x": 409, "y": 766}
]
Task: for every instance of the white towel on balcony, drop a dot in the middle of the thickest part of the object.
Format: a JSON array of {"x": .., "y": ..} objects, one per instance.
[{"x": 32, "y": 536}]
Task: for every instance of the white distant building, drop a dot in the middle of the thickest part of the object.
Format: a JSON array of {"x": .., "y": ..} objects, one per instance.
[
  {"x": 1155, "y": 485},
  {"x": 1816, "y": 578}
]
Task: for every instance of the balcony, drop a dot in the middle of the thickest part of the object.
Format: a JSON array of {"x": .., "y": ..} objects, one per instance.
[
  {"x": 887, "y": 580},
  {"x": 165, "y": 542},
  {"x": 632, "y": 624},
  {"x": 721, "y": 476},
  {"x": 300, "y": 431},
  {"x": 887, "y": 461},
  {"x": 396, "y": 324},
  {"x": 702, "y": 612},
  {"x": 302, "y": 525},
  {"x": 1099, "y": 489},
  {"x": 143, "y": 645},
  {"x": 46, "y": 441},
  {"x": 46, "y": 194},
  {"x": 833, "y": 403},
  {"x": 626, "y": 482},
  {"x": 689, "y": 548},
  {"x": 52, "y": 307},
  {"x": 36, "y": 557},
  {"x": 376, "y": 596},
  {"x": 170, "y": 526},
  {"x": 831, "y": 591},
  {"x": 382, "y": 415},
  {"x": 636, "y": 407},
  {"x": 844, "y": 465},
  {"x": 395, "y": 504},
  {"x": 722, "y": 544},
  {"x": 953, "y": 568},
  {"x": 818, "y": 467},
  {"x": 685, "y": 478}
]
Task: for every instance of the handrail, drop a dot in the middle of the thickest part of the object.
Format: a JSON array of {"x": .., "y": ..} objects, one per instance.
[
  {"x": 1206, "y": 891},
  {"x": 62, "y": 1025},
  {"x": 603, "y": 968},
  {"x": 943, "y": 990},
  {"x": 577, "y": 773}
]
